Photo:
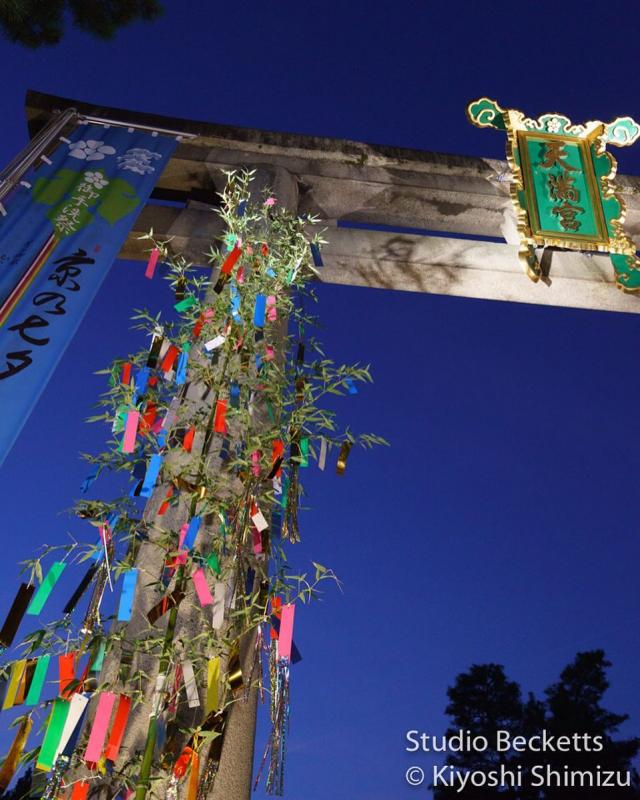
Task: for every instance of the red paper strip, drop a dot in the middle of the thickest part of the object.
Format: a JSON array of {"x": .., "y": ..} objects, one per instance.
[
  {"x": 151, "y": 265},
  {"x": 220, "y": 419},
  {"x": 148, "y": 418},
  {"x": 187, "y": 442},
  {"x": 230, "y": 261},
  {"x": 126, "y": 374},
  {"x": 197, "y": 328},
  {"x": 165, "y": 505},
  {"x": 80, "y": 790},
  {"x": 118, "y": 728},
  {"x": 169, "y": 358},
  {"x": 67, "y": 673},
  {"x": 182, "y": 764},
  {"x": 276, "y": 611}
]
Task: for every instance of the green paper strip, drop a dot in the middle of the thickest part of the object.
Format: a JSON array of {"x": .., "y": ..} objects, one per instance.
[
  {"x": 214, "y": 563},
  {"x": 49, "y": 750},
  {"x": 304, "y": 452},
  {"x": 284, "y": 500},
  {"x": 96, "y": 664},
  {"x": 44, "y": 590},
  {"x": 37, "y": 682},
  {"x": 186, "y": 304}
]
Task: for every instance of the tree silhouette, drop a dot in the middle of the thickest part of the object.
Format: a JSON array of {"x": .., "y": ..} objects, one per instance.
[
  {"x": 483, "y": 701},
  {"x": 574, "y": 705},
  {"x": 34, "y": 23}
]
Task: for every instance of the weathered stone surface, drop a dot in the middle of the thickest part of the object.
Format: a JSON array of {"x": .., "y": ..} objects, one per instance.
[{"x": 341, "y": 180}]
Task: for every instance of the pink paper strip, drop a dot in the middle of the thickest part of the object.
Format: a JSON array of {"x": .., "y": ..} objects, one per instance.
[
  {"x": 286, "y": 631},
  {"x": 181, "y": 558},
  {"x": 153, "y": 260},
  {"x": 272, "y": 314},
  {"x": 202, "y": 588},
  {"x": 257, "y": 541},
  {"x": 183, "y": 533},
  {"x": 130, "y": 431},
  {"x": 95, "y": 746},
  {"x": 255, "y": 461}
]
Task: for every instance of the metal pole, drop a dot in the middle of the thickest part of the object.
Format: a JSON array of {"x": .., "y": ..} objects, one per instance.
[{"x": 11, "y": 174}]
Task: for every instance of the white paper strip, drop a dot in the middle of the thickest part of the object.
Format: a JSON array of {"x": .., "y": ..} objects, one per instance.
[
  {"x": 259, "y": 521},
  {"x": 190, "y": 685},
  {"x": 77, "y": 705},
  {"x": 322, "y": 459},
  {"x": 156, "y": 700},
  {"x": 213, "y": 344},
  {"x": 166, "y": 344},
  {"x": 219, "y": 592}
]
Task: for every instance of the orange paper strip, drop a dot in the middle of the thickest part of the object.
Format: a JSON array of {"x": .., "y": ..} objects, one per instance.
[
  {"x": 80, "y": 790},
  {"x": 118, "y": 728},
  {"x": 67, "y": 673},
  {"x": 187, "y": 442}
]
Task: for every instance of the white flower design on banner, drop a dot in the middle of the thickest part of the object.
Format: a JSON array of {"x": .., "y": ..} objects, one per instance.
[
  {"x": 138, "y": 159},
  {"x": 91, "y": 150},
  {"x": 96, "y": 179}
]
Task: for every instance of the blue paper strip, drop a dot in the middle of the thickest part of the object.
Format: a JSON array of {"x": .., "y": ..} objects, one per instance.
[
  {"x": 234, "y": 395},
  {"x": 181, "y": 371},
  {"x": 153, "y": 470},
  {"x": 192, "y": 532},
  {"x": 315, "y": 252},
  {"x": 234, "y": 296},
  {"x": 141, "y": 381},
  {"x": 260, "y": 311},
  {"x": 129, "y": 580}
]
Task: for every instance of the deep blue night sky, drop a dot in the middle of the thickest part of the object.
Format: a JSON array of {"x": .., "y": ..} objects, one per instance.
[{"x": 501, "y": 523}]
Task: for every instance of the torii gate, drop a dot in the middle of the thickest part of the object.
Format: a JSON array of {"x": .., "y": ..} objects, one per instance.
[
  {"x": 458, "y": 206},
  {"x": 369, "y": 196}
]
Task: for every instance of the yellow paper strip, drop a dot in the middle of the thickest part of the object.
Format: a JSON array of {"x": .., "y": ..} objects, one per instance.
[
  {"x": 213, "y": 678},
  {"x": 17, "y": 672}
]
